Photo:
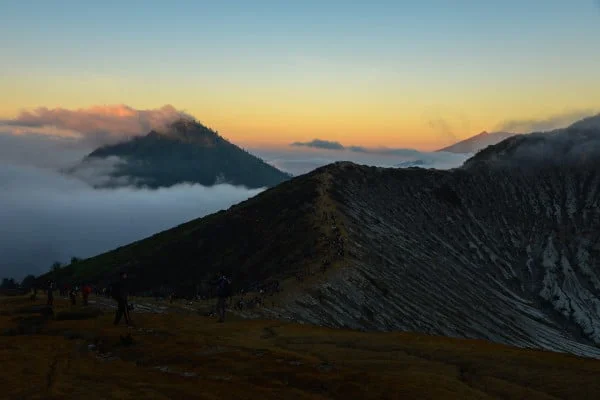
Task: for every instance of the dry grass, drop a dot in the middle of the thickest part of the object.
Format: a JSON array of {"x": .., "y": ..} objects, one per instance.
[{"x": 179, "y": 356}]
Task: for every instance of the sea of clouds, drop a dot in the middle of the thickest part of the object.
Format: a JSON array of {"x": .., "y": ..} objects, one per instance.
[{"x": 47, "y": 215}]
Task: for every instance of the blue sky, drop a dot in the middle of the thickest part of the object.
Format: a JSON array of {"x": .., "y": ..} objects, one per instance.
[{"x": 256, "y": 68}]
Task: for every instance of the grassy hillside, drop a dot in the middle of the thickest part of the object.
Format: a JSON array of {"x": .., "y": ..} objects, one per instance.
[
  {"x": 275, "y": 235},
  {"x": 192, "y": 357},
  {"x": 412, "y": 250}
]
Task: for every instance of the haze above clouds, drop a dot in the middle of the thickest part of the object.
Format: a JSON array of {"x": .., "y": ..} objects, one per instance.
[
  {"x": 303, "y": 157},
  {"x": 555, "y": 121},
  {"x": 48, "y": 216}
]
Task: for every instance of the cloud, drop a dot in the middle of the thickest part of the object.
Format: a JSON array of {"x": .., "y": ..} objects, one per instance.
[
  {"x": 331, "y": 145},
  {"x": 573, "y": 147},
  {"x": 380, "y": 151},
  {"x": 96, "y": 125},
  {"x": 48, "y": 216},
  {"x": 40, "y": 150},
  {"x": 99, "y": 172},
  {"x": 552, "y": 122},
  {"x": 300, "y": 161},
  {"x": 320, "y": 144},
  {"x": 387, "y": 151},
  {"x": 60, "y": 138},
  {"x": 346, "y": 151}
]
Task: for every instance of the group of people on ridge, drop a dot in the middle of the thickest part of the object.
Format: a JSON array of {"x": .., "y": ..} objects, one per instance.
[
  {"x": 69, "y": 291},
  {"x": 119, "y": 291}
]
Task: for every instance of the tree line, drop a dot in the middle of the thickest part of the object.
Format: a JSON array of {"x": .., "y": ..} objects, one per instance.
[{"x": 29, "y": 281}]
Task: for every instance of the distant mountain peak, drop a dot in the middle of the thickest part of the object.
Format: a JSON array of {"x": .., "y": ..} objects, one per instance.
[
  {"x": 574, "y": 146},
  {"x": 484, "y": 139},
  {"x": 187, "y": 125},
  {"x": 477, "y": 142},
  {"x": 187, "y": 129},
  {"x": 185, "y": 151}
]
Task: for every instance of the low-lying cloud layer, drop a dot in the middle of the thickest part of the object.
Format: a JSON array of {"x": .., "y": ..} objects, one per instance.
[
  {"x": 48, "y": 216},
  {"x": 320, "y": 144},
  {"x": 302, "y": 158},
  {"x": 328, "y": 145},
  {"x": 40, "y": 150}
]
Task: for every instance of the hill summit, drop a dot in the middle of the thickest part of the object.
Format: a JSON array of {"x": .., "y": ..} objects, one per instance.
[
  {"x": 186, "y": 152},
  {"x": 481, "y": 141},
  {"x": 576, "y": 146}
]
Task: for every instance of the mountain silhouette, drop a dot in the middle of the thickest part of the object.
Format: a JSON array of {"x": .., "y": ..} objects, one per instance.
[
  {"x": 186, "y": 152},
  {"x": 576, "y": 146},
  {"x": 490, "y": 252},
  {"x": 485, "y": 139}
]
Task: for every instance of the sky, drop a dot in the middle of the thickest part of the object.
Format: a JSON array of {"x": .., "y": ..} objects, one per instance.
[{"x": 268, "y": 73}]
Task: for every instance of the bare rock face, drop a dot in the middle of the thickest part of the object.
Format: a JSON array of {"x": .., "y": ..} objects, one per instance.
[{"x": 509, "y": 257}]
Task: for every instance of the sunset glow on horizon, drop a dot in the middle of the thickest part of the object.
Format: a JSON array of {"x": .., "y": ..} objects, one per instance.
[{"x": 392, "y": 73}]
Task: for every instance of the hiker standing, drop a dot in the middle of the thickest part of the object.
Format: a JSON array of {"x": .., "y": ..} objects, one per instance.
[
  {"x": 73, "y": 295},
  {"x": 119, "y": 292},
  {"x": 85, "y": 293},
  {"x": 50, "y": 290},
  {"x": 223, "y": 292}
]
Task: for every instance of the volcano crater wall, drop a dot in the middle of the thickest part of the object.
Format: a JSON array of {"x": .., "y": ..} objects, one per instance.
[{"x": 510, "y": 257}]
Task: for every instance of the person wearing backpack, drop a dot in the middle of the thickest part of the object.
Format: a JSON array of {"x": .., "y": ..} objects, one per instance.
[
  {"x": 119, "y": 292},
  {"x": 223, "y": 292}
]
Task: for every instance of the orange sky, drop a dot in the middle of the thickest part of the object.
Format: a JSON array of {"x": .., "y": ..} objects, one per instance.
[
  {"x": 387, "y": 73},
  {"x": 393, "y": 115}
]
